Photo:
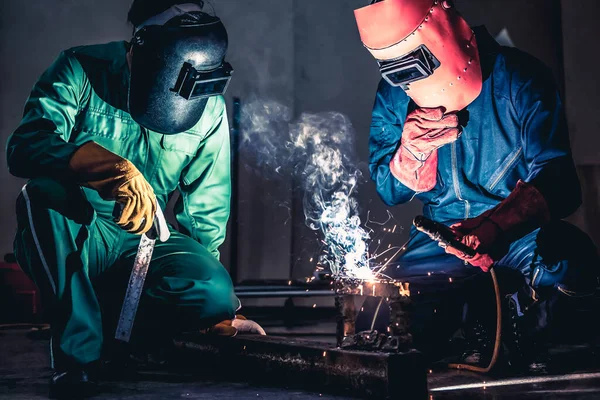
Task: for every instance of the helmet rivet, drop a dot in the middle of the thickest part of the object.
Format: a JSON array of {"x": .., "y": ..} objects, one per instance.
[
  {"x": 431, "y": 11},
  {"x": 451, "y": 84},
  {"x": 465, "y": 70},
  {"x": 426, "y": 19},
  {"x": 420, "y": 26},
  {"x": 468, "y": 46},
  {"x": 458, "y": 77}
]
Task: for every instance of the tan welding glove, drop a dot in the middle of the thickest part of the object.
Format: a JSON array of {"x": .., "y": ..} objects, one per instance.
[{"x": 116, "y": 178}]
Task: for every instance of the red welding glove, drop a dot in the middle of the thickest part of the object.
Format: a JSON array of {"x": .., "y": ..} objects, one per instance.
[
  {"x": 490, "y": 234},
  {"x": 425, "y": 130}
]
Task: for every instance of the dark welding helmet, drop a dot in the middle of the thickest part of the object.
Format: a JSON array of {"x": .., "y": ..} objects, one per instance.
[{"x": 175, "y": 68}]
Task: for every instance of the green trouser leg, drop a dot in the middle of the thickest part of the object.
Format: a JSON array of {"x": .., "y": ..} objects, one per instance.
[
  {"x": 61, "y": 245},
  {"x": 186, "y": 288},
  {"x": 68, "y": 250}
]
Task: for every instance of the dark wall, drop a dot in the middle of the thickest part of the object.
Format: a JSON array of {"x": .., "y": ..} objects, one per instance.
[
  {"x": 581, "y": 60},
  {"x": 32, "y": 34},
  {"x": 262, "y": 53}
]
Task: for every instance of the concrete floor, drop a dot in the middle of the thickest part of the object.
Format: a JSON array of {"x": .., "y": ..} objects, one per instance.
[{"x": 24, "y": 374}]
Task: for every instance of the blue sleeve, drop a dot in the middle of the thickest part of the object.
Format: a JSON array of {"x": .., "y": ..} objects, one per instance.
[
  {"x": 545, "y": 140},
  {"x": 389, "y": 113}
]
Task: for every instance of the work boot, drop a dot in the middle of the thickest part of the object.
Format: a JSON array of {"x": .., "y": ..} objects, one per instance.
[
  {"x": 479, "y": 345},
  {"x": 73, "y": 384},
  {"x": 526, "y": 348}
]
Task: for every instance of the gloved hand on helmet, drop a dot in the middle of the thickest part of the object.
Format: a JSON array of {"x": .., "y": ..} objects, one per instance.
[
  {"x": 425, "y": 130},
  {"x": 116, "y": 178},
  {"x": 490, "y": 234}
]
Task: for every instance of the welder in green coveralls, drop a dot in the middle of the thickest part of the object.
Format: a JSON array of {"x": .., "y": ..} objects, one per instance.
[{"x": 114, "y": 123}]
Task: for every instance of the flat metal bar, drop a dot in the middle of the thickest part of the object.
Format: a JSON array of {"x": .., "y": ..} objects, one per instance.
[
  {"x": 134, "y": 288},
  {"x": 518, "y": 381},
  {"x": 303, "y": 364},
  {"x": 278, "y": 288}
]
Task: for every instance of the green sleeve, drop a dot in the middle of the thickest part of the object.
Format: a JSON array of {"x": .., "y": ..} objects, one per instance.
[
  {"x": 39, "y": 146},
  {"x": 203, "y": 209}
]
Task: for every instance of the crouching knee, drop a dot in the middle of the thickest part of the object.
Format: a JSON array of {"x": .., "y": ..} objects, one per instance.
[
  {"x": 565, "y": 258},
  {"x": 221, "y": 302}
]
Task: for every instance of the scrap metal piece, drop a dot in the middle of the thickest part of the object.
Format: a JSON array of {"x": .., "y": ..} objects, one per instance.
[
  {"x": 346, "y": 318},
  {"x": 134, "y": 288},
  {"x": 395, "y": 294},
  {"x": 160, "y": 231}
]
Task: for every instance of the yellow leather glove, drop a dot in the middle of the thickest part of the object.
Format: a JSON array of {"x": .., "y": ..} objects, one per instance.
[{"x": 116, "y": 178}]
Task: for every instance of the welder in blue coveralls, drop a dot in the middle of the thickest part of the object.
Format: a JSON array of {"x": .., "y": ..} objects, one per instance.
[{"x": 477, "y": 132}]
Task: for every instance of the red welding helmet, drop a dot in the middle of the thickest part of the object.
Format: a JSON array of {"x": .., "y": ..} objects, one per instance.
[{"x": 425, "y": 47}]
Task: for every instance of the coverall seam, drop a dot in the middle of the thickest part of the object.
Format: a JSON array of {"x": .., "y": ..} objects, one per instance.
[
  {"x": 154, "y": 170},
  {"x": 36, "y": 240},
  {"x": 503, "y": 171},
  {"x": 185, "y": 210}
]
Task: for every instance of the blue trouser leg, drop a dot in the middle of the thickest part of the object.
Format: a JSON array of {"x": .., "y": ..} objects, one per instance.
[{"x": 557, "y": 259}]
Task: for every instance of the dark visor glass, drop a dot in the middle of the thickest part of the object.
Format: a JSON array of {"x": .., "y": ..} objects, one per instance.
[
  {"x": 411, "y": 67},
  {"x": 194, "y": 84}
]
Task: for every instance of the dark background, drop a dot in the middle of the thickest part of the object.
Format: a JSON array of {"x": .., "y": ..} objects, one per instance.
[{"x": 307, "y": 55}]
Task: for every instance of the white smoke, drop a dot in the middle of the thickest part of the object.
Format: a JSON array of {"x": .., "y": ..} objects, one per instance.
[{"x": 318, "y": 151}]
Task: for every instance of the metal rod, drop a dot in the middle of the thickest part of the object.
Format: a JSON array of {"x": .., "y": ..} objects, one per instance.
[
  {"x": 519, "y": 381},
  {"x": 290, "y": 293},
  {"x": 279, "y": 288}
]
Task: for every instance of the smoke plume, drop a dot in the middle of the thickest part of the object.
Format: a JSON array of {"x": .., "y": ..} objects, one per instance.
[{"x": 317, "y": 150}]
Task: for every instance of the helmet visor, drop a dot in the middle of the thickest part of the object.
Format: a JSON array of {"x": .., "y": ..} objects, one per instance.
[
  {"x": 416, "y": 65},
  {"x": 193, "y": 84}
]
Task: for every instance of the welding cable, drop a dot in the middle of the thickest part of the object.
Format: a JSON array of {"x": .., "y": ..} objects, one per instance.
[{"x": 498, "y": 339}]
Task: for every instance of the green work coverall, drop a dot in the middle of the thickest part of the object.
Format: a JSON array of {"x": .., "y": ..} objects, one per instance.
[{"x": 67, "y": 240}]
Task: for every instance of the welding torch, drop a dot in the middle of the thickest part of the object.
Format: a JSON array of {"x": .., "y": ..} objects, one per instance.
[{"x": 441, "y": 234}]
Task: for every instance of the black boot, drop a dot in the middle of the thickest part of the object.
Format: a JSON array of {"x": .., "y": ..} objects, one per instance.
[
  {"x": 479, "y": 344},
  {"x": 71, "y": 384},
  {"x": 525, "y": 338}
]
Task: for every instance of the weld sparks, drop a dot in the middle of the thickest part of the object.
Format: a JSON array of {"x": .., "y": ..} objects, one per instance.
[{"x": 347, "y": 243}]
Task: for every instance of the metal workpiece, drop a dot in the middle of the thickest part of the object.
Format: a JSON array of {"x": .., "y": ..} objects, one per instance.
[
  {"x": 393, "y": 294},
  {"x": 345, "y": 317},
  {"x": 305, "y": 365},
  {"x": 374, "y": 287}
]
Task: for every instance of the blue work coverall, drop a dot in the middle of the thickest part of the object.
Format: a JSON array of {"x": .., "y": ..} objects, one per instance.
[{"x": 514, "y": 130}]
